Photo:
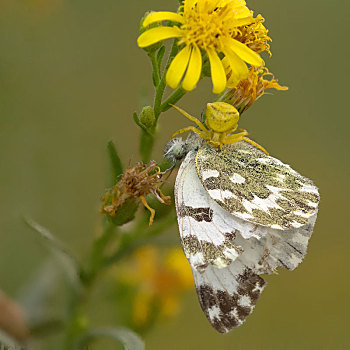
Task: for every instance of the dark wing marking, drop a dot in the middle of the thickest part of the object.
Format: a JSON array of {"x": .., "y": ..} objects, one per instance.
[{"x": 256, "y": 187}]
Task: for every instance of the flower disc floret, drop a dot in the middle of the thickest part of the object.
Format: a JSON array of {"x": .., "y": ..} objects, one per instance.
[{"x": 205, "y": 26}]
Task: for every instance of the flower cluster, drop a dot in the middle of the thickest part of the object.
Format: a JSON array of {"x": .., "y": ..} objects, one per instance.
[
  {"x": 209, "y": 30},
  {"x": 159, "y": 279}
]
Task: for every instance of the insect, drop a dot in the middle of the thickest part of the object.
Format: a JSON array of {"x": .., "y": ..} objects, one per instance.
[{"x": 241, "y": 213}]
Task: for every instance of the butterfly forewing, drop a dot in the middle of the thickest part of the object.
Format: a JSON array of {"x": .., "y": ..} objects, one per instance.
[{"x": 256, "y": 187}]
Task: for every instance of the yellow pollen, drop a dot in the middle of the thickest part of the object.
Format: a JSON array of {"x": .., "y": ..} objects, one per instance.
[{"x": 206, "y": 28}]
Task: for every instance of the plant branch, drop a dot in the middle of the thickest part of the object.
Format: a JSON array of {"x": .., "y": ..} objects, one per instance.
[{"x": 172, "y": 99}]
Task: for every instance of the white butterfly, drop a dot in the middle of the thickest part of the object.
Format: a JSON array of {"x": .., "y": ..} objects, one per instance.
[{"x": 241, "y": 213}]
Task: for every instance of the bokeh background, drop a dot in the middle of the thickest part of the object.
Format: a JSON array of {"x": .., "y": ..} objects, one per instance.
[{"x": 71, "y": 75}]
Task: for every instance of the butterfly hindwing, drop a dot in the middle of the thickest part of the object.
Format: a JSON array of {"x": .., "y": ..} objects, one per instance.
[
  {"x": 256, "y": 187},
  {"x": 227, "y": 296},
  {"x": 205, "y": 236}
]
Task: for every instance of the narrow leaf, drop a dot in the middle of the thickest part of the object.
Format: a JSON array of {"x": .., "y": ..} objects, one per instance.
[
  {"x": 129, "y": 339},
  {"x": 138, "y": 123},
  {"x": 160, "y": 56},
  {"x": 116, "y": 164},
  {"x": 59, "y": 250},
  {"x": 154, "y": 79}
]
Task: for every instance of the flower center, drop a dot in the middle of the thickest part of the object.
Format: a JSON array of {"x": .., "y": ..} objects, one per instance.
[{"x": 206, "y": 24}]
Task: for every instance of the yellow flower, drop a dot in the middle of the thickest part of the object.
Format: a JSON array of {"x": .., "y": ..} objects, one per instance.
[
  {"x": 255, "y": 35},
  {"x": 250, "y": 89},
  {"x": 210, "y": 26}
]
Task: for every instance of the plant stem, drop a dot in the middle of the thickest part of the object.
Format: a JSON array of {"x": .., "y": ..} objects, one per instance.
[
  {"x": 156, "y": 76},
  {"x": 172, "y": 99},
  {"x": 162, "y": 84}
]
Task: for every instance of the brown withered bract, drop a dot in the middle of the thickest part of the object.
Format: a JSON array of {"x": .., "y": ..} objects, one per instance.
[
  {"x": 251, "y": 89},
  {"x": 136, "y": 182}
]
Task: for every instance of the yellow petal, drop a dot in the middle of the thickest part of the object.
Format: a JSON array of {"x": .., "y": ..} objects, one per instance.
[
  {"x": 162, "y": 16},
  {"x": 237, "y": 22},
  {"x": 239, "y": 69},
  {"x": 178, "y": 67},
  {"x": 244, "y": 52},
  {"x": 153, "y": 35},
  {"x": 218, "y": 75},
  {"x": 194, "y": 70}
]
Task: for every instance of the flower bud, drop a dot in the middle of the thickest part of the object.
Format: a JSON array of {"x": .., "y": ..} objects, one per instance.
[{"x": 147, "y": 117}]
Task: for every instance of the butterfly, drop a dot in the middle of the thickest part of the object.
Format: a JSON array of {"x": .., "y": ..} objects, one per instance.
[{"x": 241, "y": 213}]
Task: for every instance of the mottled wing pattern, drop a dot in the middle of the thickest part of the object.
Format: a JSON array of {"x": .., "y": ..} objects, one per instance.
[
  {"x": 227, "y": 296},
  {"x": 227, "y": 253},
  {"x": 227, "y": 288},
  {"x": 206, "y": 237},
  {"x": 256, "y": 187}
]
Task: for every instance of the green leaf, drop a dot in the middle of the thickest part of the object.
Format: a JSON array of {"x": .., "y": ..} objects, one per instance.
[
  {"x": 59, "y": 251},
  {"x": 116, "y": 164},
  {"x": 38, "y": 296},
  {"x": 125, "y": 213},
  {"x": 8, "y": 342},
  {"x": 160, "y": 56},
  {"x": 129, "y": 339},
  {"x": 154, "y": 78},
  {"x": 138, "y": 123}
]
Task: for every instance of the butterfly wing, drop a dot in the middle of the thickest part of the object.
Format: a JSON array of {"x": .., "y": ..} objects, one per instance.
[
  {"x": 227, "y": 288},
  {"x": 205, "y": 235},
  {"x": 256, "y": 187},
  {"x": 227, "y": 253}
]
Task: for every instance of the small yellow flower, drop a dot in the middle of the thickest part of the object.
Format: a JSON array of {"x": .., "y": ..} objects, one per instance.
[
  {"x": 211, "y": 26},
  {"x": 255, "y": 35},
  {"x": 250, "y": 89},
  {"x": 160, "y": 279}
]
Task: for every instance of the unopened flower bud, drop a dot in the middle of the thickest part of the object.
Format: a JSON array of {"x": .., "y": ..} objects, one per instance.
[{"x": 147, "y": 117}]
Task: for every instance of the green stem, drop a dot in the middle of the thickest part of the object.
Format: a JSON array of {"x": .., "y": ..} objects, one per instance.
[
  {"x": 76, "y": 322},
  {"x": 172, "y": 99},
  {"x": 162, "y": 84}
]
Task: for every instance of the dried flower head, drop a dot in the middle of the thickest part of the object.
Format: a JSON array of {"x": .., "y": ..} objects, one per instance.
[
  {"x": 137, "y": 183},
  {"x": 252, "y": 88}
]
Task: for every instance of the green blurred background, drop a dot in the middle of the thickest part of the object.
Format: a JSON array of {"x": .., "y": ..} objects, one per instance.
[{"x": 71, "y": 76}]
